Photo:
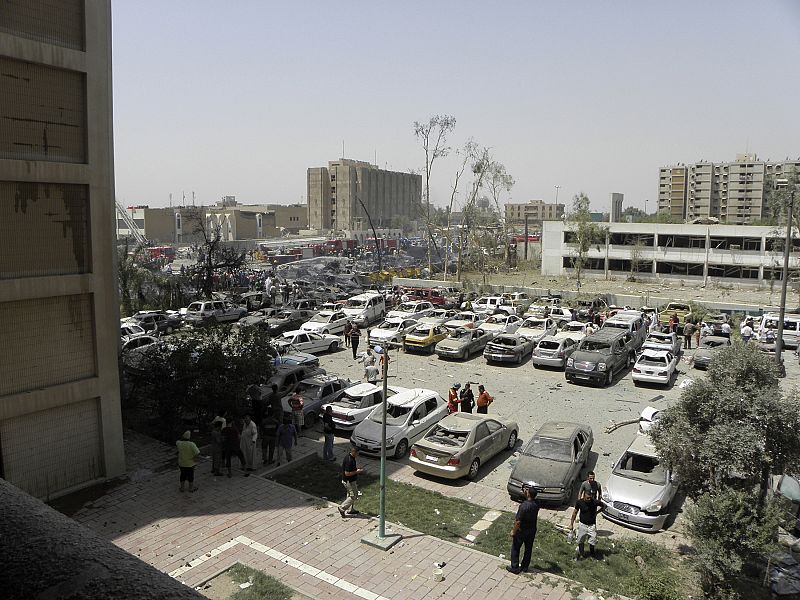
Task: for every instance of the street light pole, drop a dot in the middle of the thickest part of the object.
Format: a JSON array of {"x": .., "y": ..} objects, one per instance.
[
  {"x": 382, "y": 503},
  {"x": 558, "y": 187},
  {"x": 787, "y": 245}
]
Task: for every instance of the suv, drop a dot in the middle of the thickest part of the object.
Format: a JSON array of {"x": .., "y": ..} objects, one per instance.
[
  {"x": 205, "y": 312},
  {"x": 316, "y": 391},
  {"x": 156, "y": 322},
  {"x": 600, "y": 356}
]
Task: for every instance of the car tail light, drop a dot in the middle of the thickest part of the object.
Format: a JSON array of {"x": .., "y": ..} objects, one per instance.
[
  {"x": 454, "y": 462},
  {"x": 414, "y": 452}
]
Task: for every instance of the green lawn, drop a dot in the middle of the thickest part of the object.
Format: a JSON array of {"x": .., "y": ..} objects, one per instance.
[
  {"x": 265, "y": 587},
  {"x": 451, "y": 519}
]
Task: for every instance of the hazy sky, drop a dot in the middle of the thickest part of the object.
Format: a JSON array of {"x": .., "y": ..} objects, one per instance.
[{"x": 241, "y": 97}]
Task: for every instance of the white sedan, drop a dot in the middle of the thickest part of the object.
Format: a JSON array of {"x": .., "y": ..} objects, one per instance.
[
  {"x": 654, "y": 366},
  {"x": 326, "y": 321},
  {"x": 574, "y": 330},
  {"x": 466, "y": 319},
  {"x": 357, "y": 401},
  {"x": 438, "y": 316},
  {"x": 411, "y": 310},
  {"x": 497, "y": 324},
  {"x": 308, "y": 341},
  {"x": 391, "y": 331},
  {"x": 536, "y": 328}
]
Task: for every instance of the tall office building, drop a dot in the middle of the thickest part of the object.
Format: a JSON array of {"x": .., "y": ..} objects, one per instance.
[
  {"x": 733, "y": 192},
  {"x": 616, "y": 206},
  {"x": 60, "y": 423},
  {"x": 334, "y": 192}
]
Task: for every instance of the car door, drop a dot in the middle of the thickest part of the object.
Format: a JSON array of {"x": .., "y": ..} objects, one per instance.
[
  {"x": 496, "y": 437},
  {"x": 482, "y": 444},
  {"x": 301, "y": 342},
  {"x": 417, "y": 423}
]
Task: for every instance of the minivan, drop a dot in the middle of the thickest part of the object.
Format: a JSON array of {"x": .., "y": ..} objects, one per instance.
[
  {"x": 630, "y": 321},
  {"x": 791, "y": 328},
  {"x": 365, "y": 308}
]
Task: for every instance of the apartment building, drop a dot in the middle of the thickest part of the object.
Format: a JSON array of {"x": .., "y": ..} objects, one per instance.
[
  {"x": 336, "y": 192},
  {"x": 60, "y": 420},
  {"x": 536, "y": 211},
  {"x": 733, "y": 192}
]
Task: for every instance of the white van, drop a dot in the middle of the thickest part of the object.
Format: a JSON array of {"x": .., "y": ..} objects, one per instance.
[
  {"x": 365, "y": 308},
  {"x": 631, "y": 322},
  {"x": 791, "y": 328}
]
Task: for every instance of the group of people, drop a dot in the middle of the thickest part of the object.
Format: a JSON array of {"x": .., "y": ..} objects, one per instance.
[{"x": 464, "y": 400}]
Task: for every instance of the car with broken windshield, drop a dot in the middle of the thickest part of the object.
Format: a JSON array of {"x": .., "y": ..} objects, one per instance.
[
  {"x": 709, "y": 347},
  {"x": 356, "y": 402},
  {"x": 461, "y": 343}
]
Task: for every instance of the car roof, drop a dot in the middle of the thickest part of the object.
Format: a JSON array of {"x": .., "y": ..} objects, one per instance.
[
  {"x": 411, "y": 397},
  {"x": 642, "y": 444},
  {"x": 606, "y": 334},
  {"x": 362, "y": 389},
  {"x": 464, "y": 421},
  {"x": 319, "y": 379},
  {"x": 554, "y": 338},
  {"x": 655, "y": 353},
  {"x": 560, "y": 430}
]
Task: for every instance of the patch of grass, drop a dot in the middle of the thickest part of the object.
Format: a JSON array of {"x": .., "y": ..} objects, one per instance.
[
  {"x": 423, "y": 510},
  {"x": 264, "y": 586}
]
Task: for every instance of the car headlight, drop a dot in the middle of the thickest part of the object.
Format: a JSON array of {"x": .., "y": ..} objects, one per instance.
[
  {"x": 390, "y": 441},
  {"x": 654, "y": 507},
  {"x": 570, "y": 362},
  {"x": 606, "y": 496},
  {"x": 601, "y": 366}
]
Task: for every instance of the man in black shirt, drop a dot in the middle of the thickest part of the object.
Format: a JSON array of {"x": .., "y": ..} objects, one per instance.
[
  {"x": 328, "y": 430},
  {"x": 350, "y": 473},
  {"x": 588, "y": 508},
  {"x": 467, "y": 399},
  {"x": 524, "y": 530}
]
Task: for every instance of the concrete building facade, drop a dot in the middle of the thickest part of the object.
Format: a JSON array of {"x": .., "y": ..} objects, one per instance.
[
  {"x": 733, "y": 192},
  {"x": 728, "y": 253},
  {"x": 390, "y": 197},
  {"x": 615, "y": 216},
  {"x": 536, "y": 210},
  {"x": 60, "y": 420}
]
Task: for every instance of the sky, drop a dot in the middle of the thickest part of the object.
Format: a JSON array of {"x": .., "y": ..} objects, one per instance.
[{"x": 239, "y": 98}]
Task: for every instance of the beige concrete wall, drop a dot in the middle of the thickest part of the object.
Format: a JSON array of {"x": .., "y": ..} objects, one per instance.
[{"x": 51, "y": 396}]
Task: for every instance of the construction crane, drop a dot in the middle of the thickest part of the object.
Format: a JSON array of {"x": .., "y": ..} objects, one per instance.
[{"x": 137, "y": 233}]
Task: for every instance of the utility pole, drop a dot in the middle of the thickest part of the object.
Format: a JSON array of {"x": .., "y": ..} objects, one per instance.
[
  {"x": 558, "y": 187},
  {"x": 787, "y": 246},
  {"x": 526, "y": 236}
]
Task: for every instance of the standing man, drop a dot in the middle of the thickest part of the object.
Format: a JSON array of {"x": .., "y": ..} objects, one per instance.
[
  {"x": 248, "y": 443},
  {"x": 591, "y": 486},
  {"x": 587, "y": 528},
  {"x": 350, "y": 472},
  {"x": 187, "y": 459},
  {"x": 688, "y": 332},
  {"x": 298, "y": 417},
  {"x": 355, "y": 335},
  {"x": 726, "y": 330},
  {"x": 231, "y": 446},
  {"x": 452, "y": 399},
  {"x": 747, "y": 331},
  {"x": 269, "y": 433},
  {"x": 524, "y": 531},
  {"x": 348, "y": 327},
  {"x": 216, "y": 448},
  {"x": 467, "y": 399},
  {"x": 328, "y": 429},
  {"x": 287, "y": 437},
  {"x": 484, "y": 400}
]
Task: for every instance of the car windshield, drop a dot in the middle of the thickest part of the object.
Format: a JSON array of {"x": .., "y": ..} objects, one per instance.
[
  {"x": 652, "y": 361},
  {"x": 549, "y": 448},
  {"x": 578, "y": 328},
  {"x": 351, "y": 401},
  {"x": 460, "y": 333},
  {"x": 641, "y": 468},
  {"x": 439, "y": 313},
  {"x": 284, "y": 315},
  {"x": 356, "y": 304},
  {"x": 491, "y": 320},
  {"x": 388, "y": 325},
  {"x": 407, "y": 308},
  {"x": 594, "y": 346},
  {"x": 548, "y": 345},
  {"x": 447, "y": 437},
  {"x": 464, "y": 316},
  {"x": 422, "y": 330},
  {"x": 505, "y": 341},
  {"x": 659, "y": 338},
  {"x": 534, "y": 324},
  {"x": 617, "y": 325},
  {"x": 309, "y": 389},
  {"x": 395, "y": 414},
  {"x": 195, "y": 306},
  {"x": 320, "y": 318}
]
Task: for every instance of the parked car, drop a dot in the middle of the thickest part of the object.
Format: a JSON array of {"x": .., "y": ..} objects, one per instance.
[
  {"x": 552, "y": 459},
  {"x": 560, "y": 313},
  {"x": 640, "y": 489},
  {"x": 391, "y": 331},
  {"x": 287, "y": 378},
  {"x": 463, "y": 342},
  {"x": 508, "y": 347},
  {"x": 535, "y": 328},
  {"x": 631, "y": 322},
  {"x": 494, "y": 305},
  {"x": 411, "y": 310},
  {"x": 584, "y": 308},
  {"x": 600, "y": 356},
  {"x": 356, "y": 402},
  {"x": 501, "y": 323},
  {"x": 468, "y": 319},
  {"x": 287, "y": 320},
  {"x": 258, "y": 318},
  {"x": 409, "y": 415},
  {"x": 657, "y": 340},
  {"x": 649, "y": 417},
  {"x": 128, "y": 330},
  {"x": 288, "y": 355},
  {"x": 316, "y": 391},
  {"x": 308, "y": 341},
  {"x": 438, "y": 316},
  {"x": 708, "y": 348},
  {"x": 325, "y": 322},
  {"x": 575, "y": 330},
  {"x": 157, "y": 322},
  {"x": 460, "y": 443},
  {"x": 137, "y": 341},
  {"x": 716, "y": 321},
  {"x": 654, "y": 366},
  {"x": 424, "y": 338},
  {"x": 204, "y": 312},
  {"x": 519, "y": 300},
  {"x": 553, "y": 351},
  {"x": 365, "y": 308}
]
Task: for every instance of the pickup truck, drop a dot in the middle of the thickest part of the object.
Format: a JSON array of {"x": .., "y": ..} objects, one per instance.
[{"x": 673, "y": 308}]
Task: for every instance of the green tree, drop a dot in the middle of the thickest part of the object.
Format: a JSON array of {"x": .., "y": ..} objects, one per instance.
[
  {"x": 777, "y": 196},
  {"x": 585, "y": 233}
]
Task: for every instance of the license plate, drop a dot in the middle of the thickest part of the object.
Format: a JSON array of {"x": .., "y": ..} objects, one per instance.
[
  {"x": 582, "y": 377},
  {"x": 648, "y": 372},
  {"x": 431, "y": 458}
]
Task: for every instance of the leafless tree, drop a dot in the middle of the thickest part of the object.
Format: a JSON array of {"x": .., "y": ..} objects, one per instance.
[
  {"x": 498, "y": 183},
  {"x": 213, "y": 253},
  {"x": 480, "y": 161}
]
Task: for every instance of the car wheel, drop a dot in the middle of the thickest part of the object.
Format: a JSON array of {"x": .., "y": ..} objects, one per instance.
[
  {"x": 310, "y": 420},
  {"x": 473, "y": 469},
  {"x": 402, "y": 448},
  {"x": 610, "y": 377},
  {"x": 631, "y": 360},
  {"x": 569, "y": 493},
  {"x": 512, "y": 441},
  {"x": 333, "y": 347}
]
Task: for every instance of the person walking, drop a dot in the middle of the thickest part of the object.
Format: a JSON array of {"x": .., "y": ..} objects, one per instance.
[
  {"x": 524, "y": 531},
  {"x": 467, "y": 399},
  {"x": 587, "y": 526},
  {"x": 747, "y": 332},
  {"x": 296, "y": 403},
  {"x": 355, "y": 335},
  {"x": 269, "y": 433},
  {"x": 452, "y": 399},
  {"x": 484, "y": 400},
  {"x": 328, "y": 430},
  {"x": 187, "y": 459},
  {"x": 248, "y": 443},
  {"x": 350, "y": 472},
  {"x": 592, "y": 486},
  {"x": 287, "y": 438},
  {"x": 688, "y": 332},
  {"x": 726, "y": 330},
  {"x": 231, "y": 446},
  {"x": 216, "y": 448},
  {"x": 347, "y": 329}
]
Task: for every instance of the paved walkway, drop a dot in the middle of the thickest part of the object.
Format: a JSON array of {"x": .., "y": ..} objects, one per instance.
[{"x": 286, "y": 533}]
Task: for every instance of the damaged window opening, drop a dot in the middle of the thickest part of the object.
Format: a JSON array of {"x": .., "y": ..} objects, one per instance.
[
  {"x": 631, "y": 239},
  {"x": 681, "y": 241},
  {"x": 675, "y": 268}
]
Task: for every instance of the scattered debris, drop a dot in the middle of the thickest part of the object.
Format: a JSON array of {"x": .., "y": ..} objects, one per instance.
[{"x": 614, "y": 425}]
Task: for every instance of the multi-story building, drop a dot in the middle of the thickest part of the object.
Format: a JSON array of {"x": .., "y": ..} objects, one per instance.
[
  {"x": 733, "y": 192},
  {"x": 335, "y": 194},
  {"x": 615, "y": 216},
  {"x": 60, "y": 420},
  {"x": 536, "y": 211}
]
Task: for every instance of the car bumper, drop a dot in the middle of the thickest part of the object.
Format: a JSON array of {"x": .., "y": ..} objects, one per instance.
[
  {"x": 548, "y": 361},
  {"x": 449, "y": 352},
  {"x": 657, "y": 379},
  {"x": 701, "y": 364},
  {"x": 446, "y": 471},
  {"x": 344, "y": 425},
  {"x": 412, "y": 346},
  {"x": 492, "y": 357},
  {"x": 371, "y": 449},
  {"x": 640, "y": 522},
  {"x": 547, "y": 495},
  {"x": 590, "y": 376}
]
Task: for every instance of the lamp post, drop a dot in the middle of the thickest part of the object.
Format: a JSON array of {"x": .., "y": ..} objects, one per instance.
[
  {"x": 558, "y": 187},
  {"x": 787, "y": 245}
]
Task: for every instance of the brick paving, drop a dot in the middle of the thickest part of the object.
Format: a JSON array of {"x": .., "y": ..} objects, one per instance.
[{"x": 253, "y": 520}]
